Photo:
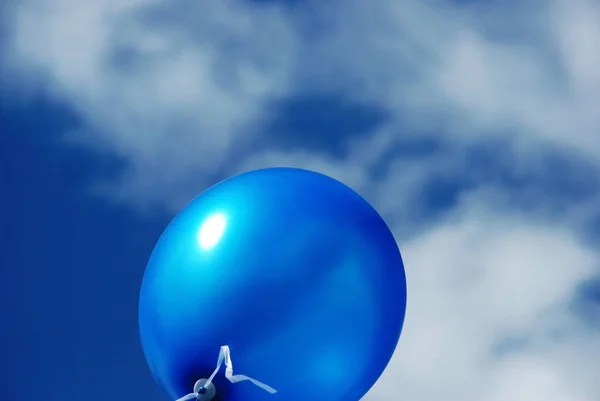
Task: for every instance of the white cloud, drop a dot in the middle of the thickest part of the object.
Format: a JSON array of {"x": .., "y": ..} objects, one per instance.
[
  {"x": 178, "y": 88},
  {"x": 165, "y": 93},
  {"x": 481, "y": 278},
  {"x": 181, "y": 89}
]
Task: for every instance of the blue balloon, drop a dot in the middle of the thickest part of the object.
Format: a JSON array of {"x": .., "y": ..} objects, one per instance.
[{"x": 296, "y": 273}]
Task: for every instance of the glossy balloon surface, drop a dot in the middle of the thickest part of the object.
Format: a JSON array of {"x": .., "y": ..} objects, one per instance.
[{"x": 293, "y": 270}]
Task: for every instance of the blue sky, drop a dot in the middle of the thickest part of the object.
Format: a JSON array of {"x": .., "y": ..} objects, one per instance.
[{"x": 470, "y": 125}]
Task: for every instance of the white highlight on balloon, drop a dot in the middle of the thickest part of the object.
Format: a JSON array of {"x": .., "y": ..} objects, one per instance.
[{"x": 211, "y": 231}]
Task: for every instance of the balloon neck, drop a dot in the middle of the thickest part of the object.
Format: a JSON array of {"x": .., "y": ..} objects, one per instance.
[
  {"x": 203, "y": 391},
  {"x": 205, "y": 395}
]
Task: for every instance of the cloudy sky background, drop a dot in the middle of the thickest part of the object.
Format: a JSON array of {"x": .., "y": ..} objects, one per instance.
[{"x": 472, "y": 126}]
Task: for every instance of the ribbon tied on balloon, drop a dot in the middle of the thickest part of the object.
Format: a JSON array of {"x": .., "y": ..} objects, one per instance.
[{"x": 204, "y": 390}]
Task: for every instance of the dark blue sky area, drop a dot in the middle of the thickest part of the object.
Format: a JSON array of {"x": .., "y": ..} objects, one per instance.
[{"x": 70, "y": 270}]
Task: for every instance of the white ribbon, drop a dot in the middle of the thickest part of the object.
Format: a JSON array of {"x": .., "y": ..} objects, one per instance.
[
  {"x": 225, "y": 357},
  {"x": 188, "y": 397}
]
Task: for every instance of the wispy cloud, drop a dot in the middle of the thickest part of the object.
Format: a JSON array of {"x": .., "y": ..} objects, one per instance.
[{"x": 502, "y": 99}]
